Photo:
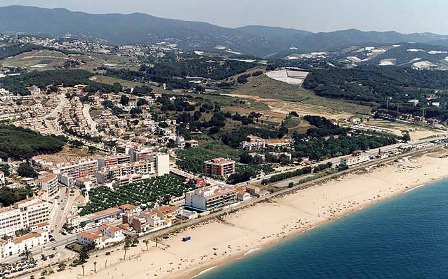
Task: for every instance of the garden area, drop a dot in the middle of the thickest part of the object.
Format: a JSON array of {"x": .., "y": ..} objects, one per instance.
[{"x": 155, "y": 190}]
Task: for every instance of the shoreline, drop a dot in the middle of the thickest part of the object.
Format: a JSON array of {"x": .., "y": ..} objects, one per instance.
[
  {"x": 202, "y": 270},
  {"x": 252, "y": 230}
]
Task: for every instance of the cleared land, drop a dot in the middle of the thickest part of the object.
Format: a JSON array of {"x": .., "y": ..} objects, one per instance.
[
  {"x": 284, "y": 98},
  {"x": 416, "y": 132},
  {"x": 50, "y": 59}
]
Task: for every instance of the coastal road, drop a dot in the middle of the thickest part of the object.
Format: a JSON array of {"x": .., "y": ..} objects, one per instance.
[
  {"x": 185, "y": 224},
  {"x": 335, "y": 161}
]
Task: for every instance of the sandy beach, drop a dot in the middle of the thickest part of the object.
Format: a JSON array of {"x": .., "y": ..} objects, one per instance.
[{"x": 231, "y": 237}]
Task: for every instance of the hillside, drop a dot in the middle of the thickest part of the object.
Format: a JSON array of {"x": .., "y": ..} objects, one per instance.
[{"x": 140, "y": 28}]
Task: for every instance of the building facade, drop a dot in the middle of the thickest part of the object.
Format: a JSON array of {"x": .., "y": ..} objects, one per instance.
[
  {"x": 220, "y": 167},
  {"x": 68, "y": 174},
  {"x": 23, "y": 215},
  {"x": 210, "y": 198},
  {"x": 49, "y": 183},
  {"x": 352, "y": 160},
  {"x": 18, "y": 245}
]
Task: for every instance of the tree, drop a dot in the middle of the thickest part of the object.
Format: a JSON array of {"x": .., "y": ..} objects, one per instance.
[
  {"x": 27, "y": 254},
  {"x": 146, "y": 241},
  {"x": 83, "y": 270},
  {"x": 124, "y": 100},
  {"x": 127, "y": 244},
  {"x": 94, "y": 266},
  {"x": 406, "y": 137},
  {"x": 75, "y": 143},
  {"x": 83, "y": 254},
  {"x": 5, "y": 169},
  {"x": 141, "y": 102},
  {"x": 294, "y": 113},
  {"x": 61, "y": 266},
  {"x": 25, "y": 170}
]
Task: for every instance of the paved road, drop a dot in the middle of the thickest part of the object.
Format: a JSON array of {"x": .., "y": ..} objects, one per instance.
[
  {"x": 53, "y": 125},
  {"x": 88, "y": 118},
  {"x": 335, "y": 161}
]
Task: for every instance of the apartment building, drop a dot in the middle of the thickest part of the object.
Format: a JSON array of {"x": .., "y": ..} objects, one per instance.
[
  {"x": 162, "y": 164},
  {"x": 113, "y": 161},
  {"x": 68, "y": 174},
  {"x": 356, "y": 158},
  {"x": 2, "y": 178},
  {"x": 125, "y": 173},
  {"x": 23, "y": 215},
  {"x": 49, "y": 184},
  {"x": 220, "y": 167},
  {"x": 210, "y": 198},
  {"x": 126, "y": 170}
]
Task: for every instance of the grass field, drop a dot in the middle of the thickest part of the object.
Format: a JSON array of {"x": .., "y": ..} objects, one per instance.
[
  {"x": 50, "y": 59},
  {"x": 112, "y": 80},
  {"x": 29, "y": 60},
  {"x": 283, "y": 98},
  {"x": 416, "y": 132}
]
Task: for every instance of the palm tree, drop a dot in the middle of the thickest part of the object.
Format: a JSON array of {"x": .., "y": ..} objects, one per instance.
[
  {"x": 27, "y": 253},
  {"x": 94, "y": 266},
  {"x": 127, "y": 244},
  {"x": 82, "y": 270},
  {"x": 146, "y": 241}
]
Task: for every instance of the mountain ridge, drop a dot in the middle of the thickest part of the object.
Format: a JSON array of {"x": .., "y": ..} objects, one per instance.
[{"x": 140, "y": 28}]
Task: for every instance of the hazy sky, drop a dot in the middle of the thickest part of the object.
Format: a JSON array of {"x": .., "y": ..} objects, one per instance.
[{"x": 314, "y": 15}]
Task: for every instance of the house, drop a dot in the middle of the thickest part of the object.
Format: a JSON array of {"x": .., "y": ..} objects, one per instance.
[
  {"x": 101, "y": 217},
  {"x": 188, "y": 214},
  {"x": 242, "y": 195},
  {"x": 148, "y": 220},
  {"x": 16, "y": 246},
  {"x": 113, "y": 234},
  {"x": 86, "y": 238},
  {"x": 198, "y": 182},
  {"x": 166, "y": 211},
  {"x": 129, "y": 209},
  {"x": 254, "y": 143}
]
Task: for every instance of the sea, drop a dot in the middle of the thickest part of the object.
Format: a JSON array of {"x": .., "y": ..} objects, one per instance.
[{"x": 402, "y": 237}]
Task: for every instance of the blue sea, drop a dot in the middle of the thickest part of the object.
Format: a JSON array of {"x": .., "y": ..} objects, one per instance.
[{"x": 404, "y": 237}]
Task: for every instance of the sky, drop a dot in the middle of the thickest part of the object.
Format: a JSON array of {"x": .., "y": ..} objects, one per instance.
[{"x": 406, "y": 16}]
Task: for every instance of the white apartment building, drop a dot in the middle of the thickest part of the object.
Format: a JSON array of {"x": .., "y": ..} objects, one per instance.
[
  {"x": 352, "y": 160},
  {"x": 49, "y": 183},
  {"x": 22, "y": 215},
  {"x": 210, "y": 198},
  {"x": 68, "y": 174},
  {"x": 162, "y": 164},
  {"x": 125, "y": 173},
  {"x": 2, "y": 178}
]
